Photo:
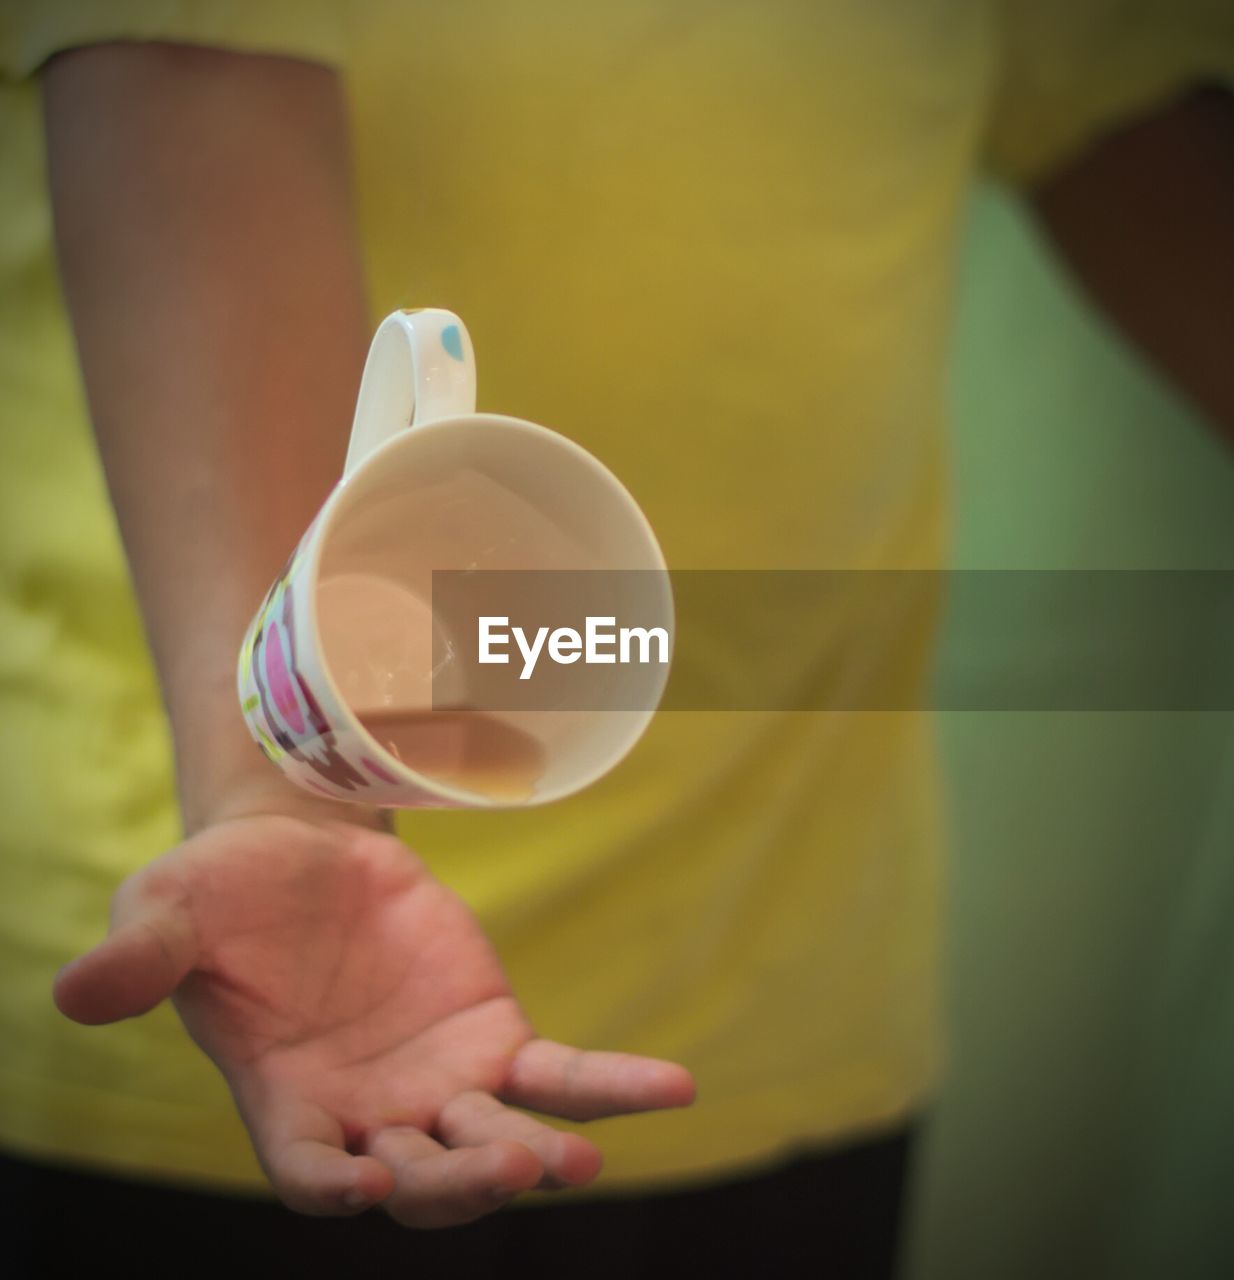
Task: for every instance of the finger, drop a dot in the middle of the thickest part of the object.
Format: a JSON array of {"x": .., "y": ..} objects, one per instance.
[
  {"x": 472, "y": 1119},
  {"x": 301, "y": 1149},
  {"x": 439, "y": 1188},
  {"x": 323, "y": 1180},
  {"x": 139, "y": 964},
  {"x": 579, "y": 1084}
]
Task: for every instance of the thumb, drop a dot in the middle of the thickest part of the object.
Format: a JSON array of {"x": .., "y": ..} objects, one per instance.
[{"x": 139, "y": 964}]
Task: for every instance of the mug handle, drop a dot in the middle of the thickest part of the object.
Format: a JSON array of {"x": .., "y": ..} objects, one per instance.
[{"x": 420, "y": 367}]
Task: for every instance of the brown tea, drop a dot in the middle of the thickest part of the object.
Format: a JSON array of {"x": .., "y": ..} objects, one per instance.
[{"x": 461, "y": 748}]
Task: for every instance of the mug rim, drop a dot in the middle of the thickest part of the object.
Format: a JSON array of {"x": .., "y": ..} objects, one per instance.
[{"x": 458, "y": 796}]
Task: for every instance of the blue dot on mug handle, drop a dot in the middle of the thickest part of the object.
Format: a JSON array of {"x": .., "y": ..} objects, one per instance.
[{"x": 452, "y": 340}]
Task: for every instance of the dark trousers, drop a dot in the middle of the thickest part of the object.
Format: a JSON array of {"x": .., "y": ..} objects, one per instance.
[{"x": 833, "y": 1214}]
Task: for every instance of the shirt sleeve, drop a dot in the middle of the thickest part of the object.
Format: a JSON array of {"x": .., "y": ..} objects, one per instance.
[
  {"x": 1074, "y": 69},
  {"x": 32, "y": 30}
]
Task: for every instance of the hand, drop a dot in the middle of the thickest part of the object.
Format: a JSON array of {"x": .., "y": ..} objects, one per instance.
[{"x": 362, "y": 1020}]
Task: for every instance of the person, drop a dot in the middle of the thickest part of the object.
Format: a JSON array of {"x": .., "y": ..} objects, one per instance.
[{"x": 712, "y": 243}]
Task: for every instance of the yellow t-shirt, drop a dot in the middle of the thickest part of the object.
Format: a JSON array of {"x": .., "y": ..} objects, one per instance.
[{"x": 714, "y": 244}]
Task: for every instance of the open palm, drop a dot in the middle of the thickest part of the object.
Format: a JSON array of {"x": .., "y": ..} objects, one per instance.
[{"x": 370, "y": 1038}]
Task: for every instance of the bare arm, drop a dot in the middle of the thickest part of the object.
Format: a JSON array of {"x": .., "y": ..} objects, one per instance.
[
  {"x": 205, "y": 231},
  {"x": 1146, "y": 219}
]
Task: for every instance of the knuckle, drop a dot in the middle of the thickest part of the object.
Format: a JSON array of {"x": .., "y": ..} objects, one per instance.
[{"x": 460, "y": 1109}]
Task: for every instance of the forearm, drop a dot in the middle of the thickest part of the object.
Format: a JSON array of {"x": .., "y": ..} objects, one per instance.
[
  {"x": 208, "y": 256},
  {"x": 1146, "y": 219}
]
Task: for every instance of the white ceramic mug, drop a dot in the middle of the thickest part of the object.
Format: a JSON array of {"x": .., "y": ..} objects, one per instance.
[{"x": 341, "y": 677}]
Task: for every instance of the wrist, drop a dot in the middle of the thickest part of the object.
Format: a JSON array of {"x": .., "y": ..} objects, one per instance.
[
  {"x": 221, "y": 773},
  {"x": 270, "y": 793}
]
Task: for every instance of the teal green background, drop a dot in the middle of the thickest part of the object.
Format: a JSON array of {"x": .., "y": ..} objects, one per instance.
[{"x": 1087, "y": 1125}]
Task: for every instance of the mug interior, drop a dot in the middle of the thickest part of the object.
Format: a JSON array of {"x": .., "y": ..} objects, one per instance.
[{"x": 478, "y": 494}]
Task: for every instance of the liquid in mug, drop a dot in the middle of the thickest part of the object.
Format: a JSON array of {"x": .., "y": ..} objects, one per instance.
[{"x": 461, "y": 748}]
